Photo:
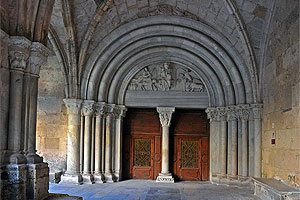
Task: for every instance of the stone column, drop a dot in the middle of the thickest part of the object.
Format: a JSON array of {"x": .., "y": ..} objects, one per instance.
[
  {"x": 87, "y": 111},
  {"x": 251, "y": 144},
  {"x": 223, "y": 139},
  {"x": 257, "y": 114},
  {"x": 38, "y": 57},
  {"x": 120, "y": 114},
  {"x": 165, "y": 116},
  {"x": 232, "y": 141},
  {"x": 73, "y": 157},
  {"x": 18, "y": 56},
  {"x": 214, "y": 156},
  {"x": 99, "y": 113},
  {"x": 110, "y": 109},
  {"x": 244, "y": 117}
]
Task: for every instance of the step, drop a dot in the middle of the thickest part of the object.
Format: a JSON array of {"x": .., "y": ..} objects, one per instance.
[{"x": 272, "y": 189}]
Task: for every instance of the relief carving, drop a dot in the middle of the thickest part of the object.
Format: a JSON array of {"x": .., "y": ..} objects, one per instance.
[{"x": 166, "y": 77}]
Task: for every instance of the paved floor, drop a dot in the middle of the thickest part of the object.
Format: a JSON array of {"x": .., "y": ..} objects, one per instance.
[{"x": 150, "y": 190}]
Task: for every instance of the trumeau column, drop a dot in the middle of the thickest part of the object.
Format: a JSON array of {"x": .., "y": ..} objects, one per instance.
[
  {"x": 38, "y": 57},
  {"x": 110, "y": 109},
  {"x": 99, "y": 113},
  {"x": 120, "y": 114},
  {"x": 244, "y": 117},
  {"x": 222, "y": 139},
  {"x": 18, "y": 55},
  {"x": 232, "y": 141},
  {"x": 165, "y": 116},
  {"x": 212, "y": 114},
  {"x": 74, "y": 125},
  {"x": 257, "y": 115},
  {"x": 87, "y": 111}
]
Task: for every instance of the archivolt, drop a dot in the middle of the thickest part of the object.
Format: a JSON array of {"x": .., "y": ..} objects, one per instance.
[{"x": 167, "y": 39}]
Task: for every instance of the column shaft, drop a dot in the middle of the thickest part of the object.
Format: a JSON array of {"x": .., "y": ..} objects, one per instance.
[
  {"x": 251, "y": 147},
  {"x": 165, "y": 150},
  {"x": 87, "y": 145},
  {"x": 245, "y": 147},
  {"x": 234, "y": 147},
  {"x": 240, "y": 149},
  {"x": 223, "y": 146},
  {"x": 229, "y": 148},
  {"x": 108, "y": 158},
  {"x": 257, "y": 148},
  {"x": 98, "y": 145}
]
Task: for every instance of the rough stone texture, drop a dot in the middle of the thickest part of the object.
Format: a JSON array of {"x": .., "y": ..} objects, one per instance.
[
  {"x": 281, "y": 89},
  {"x": 52, "y": 116}
]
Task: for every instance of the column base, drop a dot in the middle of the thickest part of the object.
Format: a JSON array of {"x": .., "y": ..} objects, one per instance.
[
  {"x": 165, "y": 178},
  {"x": 88, "y": 178},
  {"x": 38, "y": 181},
  {"x": 71, "y": 178},
  {"x": 109, "y": 178},
  {"x": 33, "y": 158},
  {"x": 99, "y": 178},
  {"x": 17, "y": 158}
]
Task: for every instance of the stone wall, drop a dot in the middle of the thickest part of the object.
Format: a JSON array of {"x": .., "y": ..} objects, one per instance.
[
  {"x": 281, "y": 96},
  {"x": 52, "y": 117}
]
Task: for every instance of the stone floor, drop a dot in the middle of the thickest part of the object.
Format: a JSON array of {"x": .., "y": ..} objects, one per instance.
[{"x": 150, "y": 190}]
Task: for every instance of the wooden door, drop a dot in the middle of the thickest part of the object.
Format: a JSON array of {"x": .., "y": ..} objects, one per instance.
[
  {"x": 189, "y": 159},
  {"x": 142, "y": 152}
]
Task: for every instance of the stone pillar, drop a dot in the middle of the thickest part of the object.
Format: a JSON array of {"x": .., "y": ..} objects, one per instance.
[
  {"x": 99, "y": 113},
  {"x": 87, "y": 111},
  {"x": 251, "y": 144},
  {"x": 73, "y": 157},
  {"x": 214, "y": 156},
  {"x": 165, "y": 116},
  {"x": 120, "y": 114},
  {"x": 4, "y": 96},
  {"x": 38, "y": 57},
  {"x": 244, "y": 117},
  {"x": 232, "y": 141},
  {"x": 257, "y": 114},
  {"x": 110, "y": 109},
  {"x": 223, "y": 139},
  {"x": 18, "y": 56}
]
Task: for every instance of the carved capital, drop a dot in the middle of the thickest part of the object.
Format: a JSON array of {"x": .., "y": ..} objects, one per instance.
[
  {"x": 38, "y": 57},
  {"x": 18, "y": 52},
  {"x": 212, "y": 114},
  {"x": 257, "y": 110},
  {"x": 222, "y": 112},
  {"x": 73, "y": 106},
  {"x": 110, "y": 110},
  {"x": 165, "y": 115},
  {"x": 244, "y": 112},
  {"x": 88, "y": 107},
  {"x": 100, "y": 108},
  {"x": 120, "y": 111},
  {"x": 232, "y": 113}
]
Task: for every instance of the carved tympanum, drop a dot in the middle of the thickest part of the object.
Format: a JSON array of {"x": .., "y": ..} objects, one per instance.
[{"x": 166, "y": 77}]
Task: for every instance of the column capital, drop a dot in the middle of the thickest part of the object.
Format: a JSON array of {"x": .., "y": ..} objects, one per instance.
[
  {"x": 232, "y": 113},
  {"x": 212, "y": 114},
  {"x": 165, "y": 115},
  {"x": 222, "y": 112},
  {"x": 38, "y": 57},
  {"x": 73, "y": 105},
  {"x": 88, "y": 107},
  {"x": 120, "y": 111},
  {"x": 18, "y": 52},
  {"x": 243, "y": 112},
  {"x": 257, "y": 110},
  {"x": 100, "y": 108},
  {"x": 110, "y": 109}
]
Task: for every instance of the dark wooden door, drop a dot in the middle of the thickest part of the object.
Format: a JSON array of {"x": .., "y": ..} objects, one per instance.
[
  {"x": 189, "y": 146},
  {"x": 142, "y": 144}
]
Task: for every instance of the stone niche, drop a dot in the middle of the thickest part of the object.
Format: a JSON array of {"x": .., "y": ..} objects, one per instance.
[{"x": 166, "y": 84}]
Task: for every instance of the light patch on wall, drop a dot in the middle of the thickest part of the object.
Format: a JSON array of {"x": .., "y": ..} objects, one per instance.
[{"x": 52, "y": 143}]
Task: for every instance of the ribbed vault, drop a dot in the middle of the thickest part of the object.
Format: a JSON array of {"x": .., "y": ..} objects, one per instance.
[{"x": 132, "y": 46}]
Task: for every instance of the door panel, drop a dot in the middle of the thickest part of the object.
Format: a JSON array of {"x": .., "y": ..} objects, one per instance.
[
  {"x": 142, "y": 157},
  {"x": 205, "y": 159}
]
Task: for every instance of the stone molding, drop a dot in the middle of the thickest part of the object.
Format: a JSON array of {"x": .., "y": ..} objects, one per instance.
[
  {"x": 88, "y": 107},
  {"x": 73, "y": 106},
  {"x": 257, "y": 110},
  {"x": 165, "y": 115},
  {"x": 100, "y": 108},
  {"x": 120, "y": 111},
  {"x": 19, "y": 52},
  {"x": 38, "y": 57}
]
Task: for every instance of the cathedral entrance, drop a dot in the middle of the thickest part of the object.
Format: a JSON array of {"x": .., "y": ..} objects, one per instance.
[{"x": 189, "y": 145}]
